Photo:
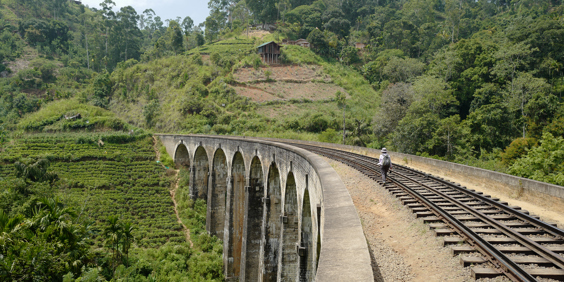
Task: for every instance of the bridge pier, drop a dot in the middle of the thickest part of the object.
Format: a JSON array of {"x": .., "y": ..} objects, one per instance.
[
  {"x": 270, "y": 243},
  {"x": 191, "y": 185},
  {"x": 252, "y": 236},
  {"x": 227, "y": 239}
]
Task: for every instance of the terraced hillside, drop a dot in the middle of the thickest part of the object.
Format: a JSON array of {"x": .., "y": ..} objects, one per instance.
[{"x": 105, "y": 174}]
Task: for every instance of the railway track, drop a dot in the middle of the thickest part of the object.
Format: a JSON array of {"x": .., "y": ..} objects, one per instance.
[{"x": 491, "y": 236}]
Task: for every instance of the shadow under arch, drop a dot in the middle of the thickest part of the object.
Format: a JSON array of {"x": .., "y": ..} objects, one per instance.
[
  {"x": 306, "y": 240},
  {"x": 272, "y": 214},
  {"x": 289, "y": 258},
  {"x": 217, "y": 199},
  {"x": 254, "y": 211},
  {"x": 200, "y": 174},
  {"x": 181, "y": 156},
  {"x": 235, "y": 217}
]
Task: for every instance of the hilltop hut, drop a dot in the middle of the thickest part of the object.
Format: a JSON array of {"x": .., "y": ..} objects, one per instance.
[
  {"x": 302, "y": 43},
  {"x": 269, "y": 52},
  {"x": 360, "y": 46}
]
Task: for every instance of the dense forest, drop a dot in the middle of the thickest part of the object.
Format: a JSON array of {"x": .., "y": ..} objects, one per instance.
[{"x": 474, "y": 82}]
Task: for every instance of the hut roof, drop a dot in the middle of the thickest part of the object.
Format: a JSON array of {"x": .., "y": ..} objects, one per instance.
[{"x": 266, "y": 44}]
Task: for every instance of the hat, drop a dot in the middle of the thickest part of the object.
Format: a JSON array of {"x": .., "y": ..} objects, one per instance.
[{"x": 384, "y": 150}]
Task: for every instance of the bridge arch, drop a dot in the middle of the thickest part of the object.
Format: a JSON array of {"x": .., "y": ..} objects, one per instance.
[
  {"x": 235, "y": 216},
  {"x": 289, "y": 257},
  {"x": 332, "y": 215},
  {"x": 255, "y": 196},
  {"x": 200, "y": 174},
  {"x": 306, "y": 251},
  {"x": 270, "y": 247},
  {"x": 217, "y": 195},
  {"x": 181, "y": 156}
]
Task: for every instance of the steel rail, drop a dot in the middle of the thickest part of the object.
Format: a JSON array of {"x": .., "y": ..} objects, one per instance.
[
  {"x": 539, "y": 249},
  {"x": 555, "y": 231},
  {"x": 510, "y": 268}
]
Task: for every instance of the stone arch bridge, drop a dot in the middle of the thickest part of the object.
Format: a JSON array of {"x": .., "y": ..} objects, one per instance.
[{"x": 282, "y": 212}]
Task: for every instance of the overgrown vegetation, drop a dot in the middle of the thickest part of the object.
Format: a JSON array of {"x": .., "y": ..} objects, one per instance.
[
  {"x": 103, "y": 197},
  {"x": 474, "y": 82}
]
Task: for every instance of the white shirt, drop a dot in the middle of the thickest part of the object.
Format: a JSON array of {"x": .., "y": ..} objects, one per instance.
[{"x": 381, "y": 161}]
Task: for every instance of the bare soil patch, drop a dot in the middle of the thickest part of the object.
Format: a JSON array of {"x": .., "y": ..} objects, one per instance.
[
  {"x": 272, "y": 91},
  {"x": 256, "y": 33},
  {"x": 283, "y": 73},
  {"x": 22, "y": 62},
  {"x": 279, "y": 111},
  {"x": 402, "y": 247}
]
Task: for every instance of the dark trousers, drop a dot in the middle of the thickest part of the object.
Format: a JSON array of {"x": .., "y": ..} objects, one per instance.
[{"x": 384, "y": 172}]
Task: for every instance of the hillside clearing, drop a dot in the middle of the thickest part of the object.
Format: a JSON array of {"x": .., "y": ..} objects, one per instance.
[{"x": 283, "y": 91}]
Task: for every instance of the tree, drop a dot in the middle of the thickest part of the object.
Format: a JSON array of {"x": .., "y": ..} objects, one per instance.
[
  {"x": 151, "y": 111},
  {"x": 176, "y": 37},
  {"x": 523, "y": 89},
  {"x": 335, "y": 22},
  {"x": 127, "y": 239},
  {"x": 454, "y": 14},
  {"x": 109, "y": 18},
  {"x": 543, "y": 163},
  {"x": 342, "y": 103},
  {"x": 242, "y": 13},
  {"x": 432, "y": 95},
  {"x": 489, "y": 127},
  {"x": 305, "y": 19},
  {"x": 445, "y": 63},
  {"x": 402, "y": 70},
  {"x": 3, "y": 134},
  {"x": 212, "y": 29},
  {"x": 129, "y": 31},
  {"x": 101, "y": 90},
  {"x": 510, "y": 58},
  {"x": 35, "y": 171},
  {"x": 187, "y": 25},
  {"x": 446, "y": 136},
  {"x": 395, "y": 102},
  {"x": 349, "y": 55},
  {"x": 113, "y": 233},
  {"x": 264, "y": 10}
]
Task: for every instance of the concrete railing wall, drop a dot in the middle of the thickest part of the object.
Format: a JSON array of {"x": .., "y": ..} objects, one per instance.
[
  {"x": 541, "y": 193},
  {"x": 344, "y": 254}
]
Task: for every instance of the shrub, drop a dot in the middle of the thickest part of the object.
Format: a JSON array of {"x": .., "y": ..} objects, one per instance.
[
  {"x": 517, "y": 149},
  {"x": 329, "y": 136},
  {"x": 544, "y": 162}
]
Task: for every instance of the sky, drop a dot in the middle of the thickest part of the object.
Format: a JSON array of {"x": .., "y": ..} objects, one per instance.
[{"x": 166, "y": 9}]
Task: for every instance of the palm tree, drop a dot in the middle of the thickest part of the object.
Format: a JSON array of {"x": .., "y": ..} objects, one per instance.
[
  {"x": 53, "y": 218},
  {"x": 113, "y": 233},
  {"x": 36, "y": 172},
  {"x": 8, "y": 226},
  {"x": 127, "y": 239}
]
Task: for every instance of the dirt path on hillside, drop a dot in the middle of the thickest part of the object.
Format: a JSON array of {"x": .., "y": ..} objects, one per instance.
[
  {"x": 402, "y": 247},
  {"x": 173, "y": 195}
]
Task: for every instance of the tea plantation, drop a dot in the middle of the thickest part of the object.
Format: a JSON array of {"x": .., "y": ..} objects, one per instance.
[{"x": 120, "y": 177}]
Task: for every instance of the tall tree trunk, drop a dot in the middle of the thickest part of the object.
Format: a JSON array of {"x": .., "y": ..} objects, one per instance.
[
  {"x": 87, "y": 52},
  {"x": 106, "y": 62},
  {"x": 344, "y": 124},
  {"x": 125, "y": 48}
]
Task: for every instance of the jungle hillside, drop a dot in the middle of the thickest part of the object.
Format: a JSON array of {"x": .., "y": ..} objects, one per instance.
[{"x": 82, "y": 90}]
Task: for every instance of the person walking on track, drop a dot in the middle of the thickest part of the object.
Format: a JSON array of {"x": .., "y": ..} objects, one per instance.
[{"x": 385, "y": 163}]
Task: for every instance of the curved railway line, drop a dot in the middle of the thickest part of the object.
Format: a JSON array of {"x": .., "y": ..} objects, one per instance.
[{"x": 494, "y": 238}]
